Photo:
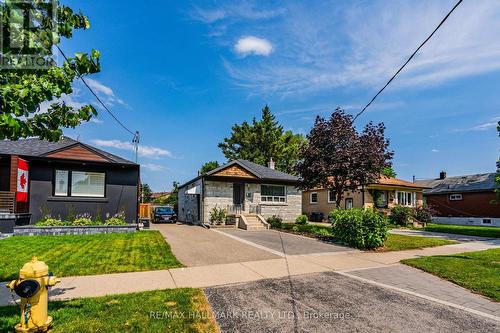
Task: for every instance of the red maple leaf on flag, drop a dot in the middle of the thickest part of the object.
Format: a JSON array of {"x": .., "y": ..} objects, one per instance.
[{"x": 22, "y": 181}]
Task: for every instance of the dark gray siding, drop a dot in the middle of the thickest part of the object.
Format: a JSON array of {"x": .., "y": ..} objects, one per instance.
[{"x": 120, "y": 193}]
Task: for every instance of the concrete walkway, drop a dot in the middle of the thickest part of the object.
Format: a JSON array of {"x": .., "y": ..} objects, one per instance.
[{"x": 248, "y": 271}]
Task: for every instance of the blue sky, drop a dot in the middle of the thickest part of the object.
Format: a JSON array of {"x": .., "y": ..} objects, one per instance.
[{"x": 183, "y": 72}]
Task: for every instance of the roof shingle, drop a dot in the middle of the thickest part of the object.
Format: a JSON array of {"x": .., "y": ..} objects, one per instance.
[{"x": 469, "y": 183}]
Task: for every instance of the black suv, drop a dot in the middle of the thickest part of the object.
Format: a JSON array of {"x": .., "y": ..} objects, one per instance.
[{"x": 164, "y": 214}]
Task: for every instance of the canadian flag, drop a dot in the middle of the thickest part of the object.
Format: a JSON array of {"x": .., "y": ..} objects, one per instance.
[{"x": 22, "y": 181}]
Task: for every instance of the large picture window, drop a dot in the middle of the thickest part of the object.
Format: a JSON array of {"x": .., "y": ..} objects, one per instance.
[
  {"x": 406, "y": 199},
  {"x": 79, "y": 184},
  {"x": 272, "y": 193}
]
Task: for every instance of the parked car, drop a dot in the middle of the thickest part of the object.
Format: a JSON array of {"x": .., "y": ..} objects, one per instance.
[{"x": 164, "y": 214}]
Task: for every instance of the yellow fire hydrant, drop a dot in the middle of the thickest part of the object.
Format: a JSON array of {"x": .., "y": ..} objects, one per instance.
[{"x": 32, "y": 286}]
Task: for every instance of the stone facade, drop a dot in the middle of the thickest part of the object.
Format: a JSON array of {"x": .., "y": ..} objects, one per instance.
[
  {"x": 220, "y": 194},
  {"x": 72, "y": 230}
]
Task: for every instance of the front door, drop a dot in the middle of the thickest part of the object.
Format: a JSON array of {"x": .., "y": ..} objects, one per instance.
[{"x": 239, "y": 195}]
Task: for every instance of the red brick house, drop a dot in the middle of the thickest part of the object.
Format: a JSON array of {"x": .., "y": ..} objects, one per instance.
[{"x": 467, "y": 199}]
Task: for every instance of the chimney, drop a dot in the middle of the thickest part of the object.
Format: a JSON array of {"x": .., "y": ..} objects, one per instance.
[
  {"x": 271, "y": 164},
  {"x": 442, "y": 175}
]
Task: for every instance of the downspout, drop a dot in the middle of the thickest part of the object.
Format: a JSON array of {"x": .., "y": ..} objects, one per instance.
[
  {"x": 202, "y": 208},
  {"x": 363, "y": 196}
]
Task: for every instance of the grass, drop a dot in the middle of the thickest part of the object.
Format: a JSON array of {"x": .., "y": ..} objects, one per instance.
[
  {"x": 465, "y": 230},
  {"x": 173, "y": 310},
  {"x": 402, "y": 242},
  {"x": 392, "y": 243},
  {"x": 88, "y": 254},
  {"x": 476, "y": 271}
]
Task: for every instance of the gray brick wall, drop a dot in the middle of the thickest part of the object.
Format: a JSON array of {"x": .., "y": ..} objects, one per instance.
[{"x": 72, "y": 230}]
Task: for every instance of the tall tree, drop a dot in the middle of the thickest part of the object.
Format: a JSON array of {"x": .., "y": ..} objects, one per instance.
[
  {"x": 389, "y": 172},
  {"x": 262, "y": 140},
  {"x": 22, "y": 90},
  {"x": 209, "y": 166},
  {"x": 146, "y": 193},
  {"x": 339, "y": 158}
]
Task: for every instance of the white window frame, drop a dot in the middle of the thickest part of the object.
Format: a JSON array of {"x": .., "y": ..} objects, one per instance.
[
  {"x": 328, "y": 197},
  {"x": 487, "y": 223},
  {"x": 455, "y": 197},
  {"x": 311, "y": 198},
  {"x": 407, "y": 203},
  {"x": 351, "y": 200},
  {"x": 273, "y": 198}
]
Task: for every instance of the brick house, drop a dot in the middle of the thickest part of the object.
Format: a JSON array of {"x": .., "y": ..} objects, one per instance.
[
  {"x": 249, "y": 193},
  {"x": 382, "y": 195},
  {"x": 467, "y": 199}
]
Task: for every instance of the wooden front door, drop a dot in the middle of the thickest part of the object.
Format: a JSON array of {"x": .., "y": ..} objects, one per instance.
[{"x": 239, "y": 194}]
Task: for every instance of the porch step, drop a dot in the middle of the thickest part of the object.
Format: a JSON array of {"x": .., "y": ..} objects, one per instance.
[{"x": 253, "y": 223}]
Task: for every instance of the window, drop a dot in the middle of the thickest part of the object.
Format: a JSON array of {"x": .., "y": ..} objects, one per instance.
[
  {"x": 486, "y": 221},
  {"x": 455, "y": 197},
  {"x": 314, "y": 197},
  {"x": 348, "y": 203},
  {"x": 331, "y": 196},
  {"x": 273, "y": 193},
  {"x": 79, "y": 183},
  {"x": 61, "y": 183},
  {"x": 406, "y": 199}
]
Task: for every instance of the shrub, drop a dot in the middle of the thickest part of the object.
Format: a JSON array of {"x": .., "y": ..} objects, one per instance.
[
  {"x": 423, "y": 214},
  {"x": 363, "y": 229},
  {"x": 82, "y": 221},
  {"x": 115, "y": 221},
  {"x": 50, "y": 222},
  {"x": 401, "y": 215},
  {"x": 301, "y": 219},
  {"x": 217, "y": 216},
  {"x": 275, "y": 221}
]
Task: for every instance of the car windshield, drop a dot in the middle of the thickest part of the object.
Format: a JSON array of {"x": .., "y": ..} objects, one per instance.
[{"x": 164, "y": 210}]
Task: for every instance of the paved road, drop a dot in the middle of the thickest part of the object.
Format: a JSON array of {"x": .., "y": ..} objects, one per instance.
[
  {"x": 196, "y": 246},
  {"x": 329, "y": 302},
  {"x": 292, "y": 244},
  {"x": 412, "y": 279}
]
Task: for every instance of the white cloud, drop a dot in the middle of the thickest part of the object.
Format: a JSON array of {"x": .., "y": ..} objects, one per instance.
[
  {"x": 323, "y": 46},
  {"x": 99, "y": 87},
  {"x": 435, "y": 150},
  {"x": 146, "y": 151},
  {"x": 234, "y": 11},
  {"x": 490, "y": 124},
  {"x": 253, "y": 45},
  {"x": 152, "y": 167},
  {"x": 105, "y": 92}
]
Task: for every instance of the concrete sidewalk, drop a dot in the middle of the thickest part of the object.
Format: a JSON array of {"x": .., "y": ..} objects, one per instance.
[
  {"x": 247, "y": 271},
  {"x": 442, "y": 235}
]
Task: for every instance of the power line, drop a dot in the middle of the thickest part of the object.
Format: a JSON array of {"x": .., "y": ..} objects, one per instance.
[
  {"x": 407, "y": 61},
  {"x": 135, "y": 134}
]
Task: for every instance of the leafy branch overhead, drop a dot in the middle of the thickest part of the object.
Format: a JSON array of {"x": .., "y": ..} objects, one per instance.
[
  {"x": 262, "y": 140},
  {"x": 22, "y": 91},
  {"x": 339, "y": 158}
]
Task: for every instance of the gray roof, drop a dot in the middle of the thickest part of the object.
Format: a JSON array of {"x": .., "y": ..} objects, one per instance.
[
  {"x": 40, "y": 148},
  {"x": 469, "y": 183},
  {"x": 262, "y": 172}
]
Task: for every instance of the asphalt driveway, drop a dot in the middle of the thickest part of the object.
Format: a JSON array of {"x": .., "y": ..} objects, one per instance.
[
  {"x": 329, "y": 302},
  {"x": 196, "y": 246},
  {"x": 292, "y": 244}
]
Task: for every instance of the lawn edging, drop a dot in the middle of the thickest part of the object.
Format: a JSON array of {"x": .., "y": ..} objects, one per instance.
[
  {"x": 73, "y": 230},
  {"x": 480, "y": 231}
]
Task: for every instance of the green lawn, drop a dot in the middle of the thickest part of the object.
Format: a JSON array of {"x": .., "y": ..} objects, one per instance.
[
  {"x": 477, "y": 271},
  {"x": 402, "y": 242},
  {"x": 465, "y": 230},
  {"x": 393, "y": 242},
  {"x": 88, "y": 254},
  {"x": 174, "y": 310}
]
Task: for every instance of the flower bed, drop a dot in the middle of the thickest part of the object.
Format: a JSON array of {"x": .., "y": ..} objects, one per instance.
[{"x": 73, "y": 230}]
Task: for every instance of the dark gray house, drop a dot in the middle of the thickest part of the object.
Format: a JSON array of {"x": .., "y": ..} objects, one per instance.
[{"x": 63, "y": 178}]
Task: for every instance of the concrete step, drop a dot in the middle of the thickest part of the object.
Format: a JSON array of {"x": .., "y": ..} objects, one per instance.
[{"x": 250, "y": 228}]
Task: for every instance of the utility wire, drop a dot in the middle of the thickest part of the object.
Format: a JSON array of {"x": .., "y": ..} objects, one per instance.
[
  {"x": 407, "y": 61},
  {"x": 135, "y": 134}
]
